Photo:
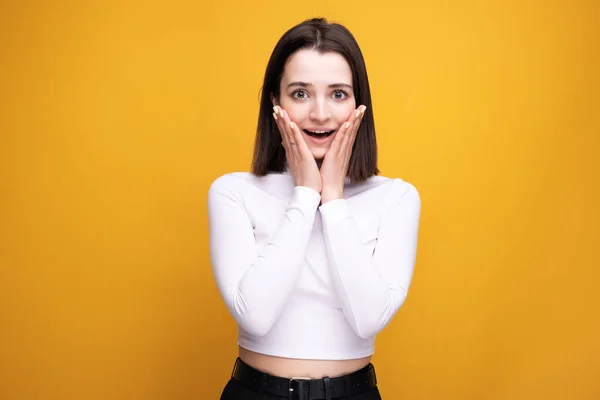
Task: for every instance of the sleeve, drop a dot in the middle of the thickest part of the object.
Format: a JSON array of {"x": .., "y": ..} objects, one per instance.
[
  {"x": 255, "y": 283},
  {"x": 372, "y": 285}
]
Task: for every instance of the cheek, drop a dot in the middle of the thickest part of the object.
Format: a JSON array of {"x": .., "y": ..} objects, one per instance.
[
  {"x": 289, "y": 108},
  {"x": 345, "y": 113},
  {"x": 293, "y": 110},
  {"x": 288, "y": 104}
]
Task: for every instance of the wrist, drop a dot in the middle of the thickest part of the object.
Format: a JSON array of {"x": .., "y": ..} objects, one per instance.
[{"x": 330, "y": 194}]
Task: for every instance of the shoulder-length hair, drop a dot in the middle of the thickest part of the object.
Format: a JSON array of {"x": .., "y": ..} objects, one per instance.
[{"x": 320, "y": 35}]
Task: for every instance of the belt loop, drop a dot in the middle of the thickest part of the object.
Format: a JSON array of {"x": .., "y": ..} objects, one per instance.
[{"x": 327, "y": 387}]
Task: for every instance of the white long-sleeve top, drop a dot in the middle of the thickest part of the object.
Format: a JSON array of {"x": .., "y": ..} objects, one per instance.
[{"x": 311, "y": 281}]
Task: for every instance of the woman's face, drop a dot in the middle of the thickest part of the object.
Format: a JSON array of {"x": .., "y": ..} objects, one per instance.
[{"x": 317, "y": 93}]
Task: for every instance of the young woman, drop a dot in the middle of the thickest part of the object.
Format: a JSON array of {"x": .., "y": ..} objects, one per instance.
[{"x": 313, "y": 252}]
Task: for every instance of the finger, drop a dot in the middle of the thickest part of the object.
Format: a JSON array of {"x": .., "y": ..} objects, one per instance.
[
  {"x": 277, "y": 122},
  {"x": 290, "y": 150},
  {"x": 338, "y": 140},
  {"x": 356, "y": 121},
  {"x": 297, "y": 138},
  {"x": 291, "y": 133},
  {"x": 281, "y": 125},
  {"x": 358, "y": 117},
  {"x": 349, "y": 132},
  {"x": 285, "y": 120}
]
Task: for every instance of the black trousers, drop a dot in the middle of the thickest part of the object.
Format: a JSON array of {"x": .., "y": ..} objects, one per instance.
[{"x": 236, "y": 390}]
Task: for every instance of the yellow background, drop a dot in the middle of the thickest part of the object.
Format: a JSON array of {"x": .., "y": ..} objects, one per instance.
[{"x": 116, "y": 116}]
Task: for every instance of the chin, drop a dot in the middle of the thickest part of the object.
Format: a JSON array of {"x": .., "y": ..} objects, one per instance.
[{"x": 318, "y": 154}]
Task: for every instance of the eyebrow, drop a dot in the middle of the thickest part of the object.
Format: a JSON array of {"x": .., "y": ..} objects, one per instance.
[{"x": 306, "y": 85}]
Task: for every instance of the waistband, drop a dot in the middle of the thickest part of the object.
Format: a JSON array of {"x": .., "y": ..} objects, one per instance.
[{"x": 325, "y": 388}]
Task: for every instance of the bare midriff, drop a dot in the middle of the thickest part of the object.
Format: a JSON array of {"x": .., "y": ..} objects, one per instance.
[{"x": 300, "y": 368}]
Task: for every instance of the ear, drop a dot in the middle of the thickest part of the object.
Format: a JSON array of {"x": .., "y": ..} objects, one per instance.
[{"x": 274, "y": 100}]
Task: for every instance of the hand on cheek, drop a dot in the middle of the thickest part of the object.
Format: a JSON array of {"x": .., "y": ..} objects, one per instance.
[
  {"x": 336, "y": 161},
  {"x": 300, "y": 161}
]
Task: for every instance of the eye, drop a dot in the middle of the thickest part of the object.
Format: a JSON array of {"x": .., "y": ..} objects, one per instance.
[
  {"x": 299, "y": 94},
  {"x": 340, "y": 94}
]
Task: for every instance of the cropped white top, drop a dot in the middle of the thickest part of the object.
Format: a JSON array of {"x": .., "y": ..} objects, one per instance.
[{"x": 311, "y": 281}]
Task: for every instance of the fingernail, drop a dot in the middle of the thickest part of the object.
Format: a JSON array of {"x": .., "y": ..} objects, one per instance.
[
  {"x": 292, "y": 125},
  {"x": 281, "y": 113},
  {"x": 364, "y": 108},
  {"x": 275, "y": 109},
  {"x": 357, "y": 113},
  {"x": 275, "y": 116},
  {"x": 346, "y": 125}
]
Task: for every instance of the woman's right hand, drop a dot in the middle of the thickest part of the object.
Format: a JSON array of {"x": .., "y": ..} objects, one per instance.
[{"x": 300, "y": 160}]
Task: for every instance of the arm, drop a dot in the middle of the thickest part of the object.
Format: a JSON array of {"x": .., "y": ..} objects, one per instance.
[
  {"x": 372, "y": 286},
  {"x": 255, "y": 284}
]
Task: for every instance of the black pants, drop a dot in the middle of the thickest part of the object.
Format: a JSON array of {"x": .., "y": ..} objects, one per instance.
[{"x": 235, "y": 390}]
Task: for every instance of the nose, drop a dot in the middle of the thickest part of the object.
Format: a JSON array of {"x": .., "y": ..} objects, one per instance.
[{"x": 319, "y": 111}]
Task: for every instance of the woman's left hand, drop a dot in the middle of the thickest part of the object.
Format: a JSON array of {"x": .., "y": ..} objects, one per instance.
[{"x": 336, "y": 161}]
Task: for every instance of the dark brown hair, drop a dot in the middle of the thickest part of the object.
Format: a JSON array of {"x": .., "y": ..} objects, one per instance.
[{"x": 320, "y": 35}]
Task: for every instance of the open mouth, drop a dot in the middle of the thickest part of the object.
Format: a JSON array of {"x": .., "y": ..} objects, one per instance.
[{"x": 318, "y": 134}]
